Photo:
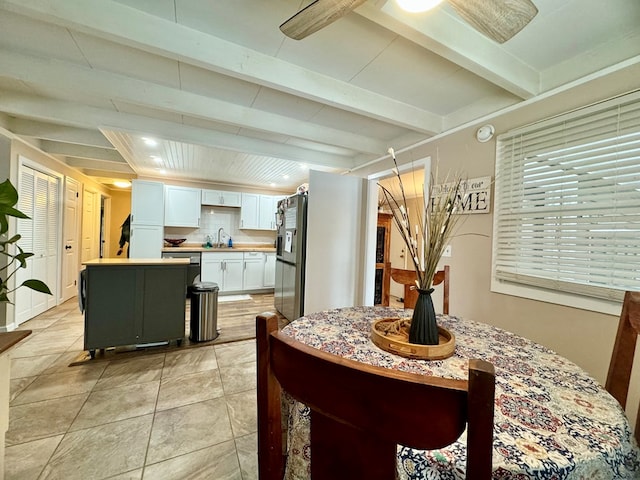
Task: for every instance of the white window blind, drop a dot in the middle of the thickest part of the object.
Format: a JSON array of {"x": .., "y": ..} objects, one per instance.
[{"x": 567, "y": 207}]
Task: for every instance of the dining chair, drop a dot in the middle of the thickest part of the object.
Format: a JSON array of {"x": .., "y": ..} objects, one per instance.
[
  {"x": 360, "y": 413},
  {"x": 408, "y": 279},
  {"x": 623, "y": 351}
]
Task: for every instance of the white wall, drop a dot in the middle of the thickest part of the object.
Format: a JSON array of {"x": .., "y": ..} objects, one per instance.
[
  {"x": 583, "y": 336},
  {"x": 335, "y": 239}
]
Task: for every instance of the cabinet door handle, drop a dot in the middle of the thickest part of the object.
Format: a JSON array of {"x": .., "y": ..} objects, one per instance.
[{"x": 245, "y": 265}]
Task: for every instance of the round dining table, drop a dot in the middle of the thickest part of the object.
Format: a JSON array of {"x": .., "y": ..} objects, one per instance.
[{"x": 552, "y": 420}]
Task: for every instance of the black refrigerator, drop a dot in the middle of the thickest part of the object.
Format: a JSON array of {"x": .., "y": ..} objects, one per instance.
[{"x": 291, "y": 245}]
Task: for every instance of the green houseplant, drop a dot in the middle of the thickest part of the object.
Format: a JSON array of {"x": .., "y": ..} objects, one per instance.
[{"x": 16, "y": 257}]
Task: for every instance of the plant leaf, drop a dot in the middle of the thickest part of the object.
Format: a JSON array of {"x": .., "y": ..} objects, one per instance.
[
  {"x": 8, "y": 194},
  {"x": 37, "y": 285},
  {"x": 12, "y": 212}
]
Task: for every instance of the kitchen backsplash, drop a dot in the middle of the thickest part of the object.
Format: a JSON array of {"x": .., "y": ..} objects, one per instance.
[{"x": 214, "y": 218}]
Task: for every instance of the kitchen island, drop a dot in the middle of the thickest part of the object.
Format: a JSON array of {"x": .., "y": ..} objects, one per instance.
[{"x": 129, "y": 301}]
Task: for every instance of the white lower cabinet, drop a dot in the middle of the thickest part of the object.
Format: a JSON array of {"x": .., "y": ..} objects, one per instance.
[
  {"x": 253, "y": 270},
  {"x": 239, "y": 271},
  {"x": 223, "y": 268},
  {"x": 269, "y": 278}
]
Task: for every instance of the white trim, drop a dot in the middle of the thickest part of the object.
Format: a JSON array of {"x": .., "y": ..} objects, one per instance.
[{"x": 558, "y": 298}]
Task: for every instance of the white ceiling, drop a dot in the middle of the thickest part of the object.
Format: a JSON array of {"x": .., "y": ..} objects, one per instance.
[{"x": 231, "y": 100}]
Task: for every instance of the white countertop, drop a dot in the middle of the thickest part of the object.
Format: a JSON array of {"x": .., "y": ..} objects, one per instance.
[{"x": 105, "y": 262}]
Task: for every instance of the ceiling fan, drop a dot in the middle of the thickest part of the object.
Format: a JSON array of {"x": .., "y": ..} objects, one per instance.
[{"x": 497, "y": 19}]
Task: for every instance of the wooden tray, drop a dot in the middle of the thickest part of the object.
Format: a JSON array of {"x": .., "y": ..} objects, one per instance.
[{"x": 399, "y": 343}]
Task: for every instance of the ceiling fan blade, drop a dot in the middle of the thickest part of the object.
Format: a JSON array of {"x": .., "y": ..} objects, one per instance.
[
  {"x": 497, "y": 19},
  {"x": 317, "y": 15}
]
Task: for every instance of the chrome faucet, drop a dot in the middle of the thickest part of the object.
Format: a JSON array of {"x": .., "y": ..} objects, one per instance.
[{"x": 220, "y": 243}]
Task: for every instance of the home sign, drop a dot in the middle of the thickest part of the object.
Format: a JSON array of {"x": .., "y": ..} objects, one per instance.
[{"x": 475, "y": 195}]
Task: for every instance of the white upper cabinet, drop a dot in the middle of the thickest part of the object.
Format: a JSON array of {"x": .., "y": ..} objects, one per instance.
[
  {"x": 147, "y": 202},
  {"x": 145, "y": 241},
  {"x": 181, "y": 206},
  {"x": 267, "y": 212},
  {"x": 258, "y": 211},
  {"x": 249, "y": 211},
  {"x": 221, "y": 198}
]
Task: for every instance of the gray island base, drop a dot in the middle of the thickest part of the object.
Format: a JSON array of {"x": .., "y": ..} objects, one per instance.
[{"x": 134, "y": 301}]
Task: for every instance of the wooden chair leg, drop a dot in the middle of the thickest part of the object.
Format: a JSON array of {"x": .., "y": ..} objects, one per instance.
[{"x": 271, "y": 460}]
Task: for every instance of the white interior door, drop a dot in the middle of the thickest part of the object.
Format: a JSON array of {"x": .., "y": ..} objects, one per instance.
[
  {"x": 70, "y": 240},
  {"x": 90, "y": 225}
]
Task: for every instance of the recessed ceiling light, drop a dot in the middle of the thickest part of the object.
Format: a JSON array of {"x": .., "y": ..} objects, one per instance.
[
  {"x": 122, "y": 183},
  {"x": 417, "y": 6},
  {"x": 272, "y": 184},
  {"x": 149, "y": 141},
  {"x": 162, "y": 171},
  {"x": 286, "y": 177},
  {"x": 156, "y": 158}
]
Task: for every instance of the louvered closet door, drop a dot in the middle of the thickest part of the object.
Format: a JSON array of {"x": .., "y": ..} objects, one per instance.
[
  {"x": 51, "y": 247},
  {"x": 38, "y": 198},
  {"x": 26, "y": 201}
]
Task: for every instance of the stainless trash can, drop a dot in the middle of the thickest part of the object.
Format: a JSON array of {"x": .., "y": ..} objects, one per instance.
[{"x": 204, "y": 311}]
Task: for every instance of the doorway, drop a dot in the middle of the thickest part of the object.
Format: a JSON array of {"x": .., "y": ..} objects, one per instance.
[{"x": 413, "y": 180}]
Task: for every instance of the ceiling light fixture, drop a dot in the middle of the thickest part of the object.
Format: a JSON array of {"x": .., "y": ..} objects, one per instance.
[
  {"x": 417, "y": 6},
  {"x": 122, "y": 183},
  {"x": 156, "y": 158},
  {"x": 149, "y": 141}
]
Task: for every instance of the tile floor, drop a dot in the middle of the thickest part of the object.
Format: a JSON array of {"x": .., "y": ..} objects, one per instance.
[{"x": 188, "y": 414}]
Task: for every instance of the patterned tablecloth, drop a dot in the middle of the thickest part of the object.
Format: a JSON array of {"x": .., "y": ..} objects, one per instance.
[{"x": 552, "y": 420}]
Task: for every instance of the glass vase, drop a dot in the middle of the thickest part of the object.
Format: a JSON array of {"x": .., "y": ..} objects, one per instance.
[{"x": 424, "y": 328}]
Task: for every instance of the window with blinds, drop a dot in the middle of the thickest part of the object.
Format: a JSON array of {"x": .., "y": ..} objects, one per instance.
[{"x": 567, "y": 207}]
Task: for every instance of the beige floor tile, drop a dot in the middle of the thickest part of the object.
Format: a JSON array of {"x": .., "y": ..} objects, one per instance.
[
  {"x": 187, "y": 389},
  {"x": 218, "y": 462},
  {"x": 26, "y": 461},
  {"x": 186, "y": 429},
  {"x": 132, "y": 475},
  {"x": 236, "y": 352},
  {"x": 43, "y": 342},
  {"x": 243, "y": 412},
  {"x": 17, "y": 386},
  {"x": 132, "y": 371},
  {"x": 189, "y": 361},
  {"x": 31, "y": 366},
  {"x": 64, "y": 361},
  {"x": 239, "y": 377},
  {"x": 71, "y": 382},
  {"x": 106, "y": 406},
  {"x": 100, "y": 452},
  {"x": 42, "y": 419},
  {"x": 247, "y": 448},
  {"x": 38, "y": 323}
]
